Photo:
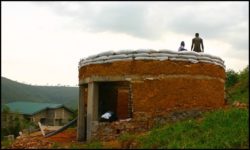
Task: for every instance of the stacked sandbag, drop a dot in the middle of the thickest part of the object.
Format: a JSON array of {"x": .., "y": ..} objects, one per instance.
[{"x": 149, "y": 54}]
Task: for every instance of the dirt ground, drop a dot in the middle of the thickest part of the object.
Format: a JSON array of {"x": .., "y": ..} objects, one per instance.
[{"x": 37, "y": 141}]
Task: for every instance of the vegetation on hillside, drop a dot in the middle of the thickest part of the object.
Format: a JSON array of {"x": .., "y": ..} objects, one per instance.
[
  {"x": 14, "y": 91},
  {"x": 13, "y": 123},
  {"x": 237, "y": 85},
  {"x": 219, "y": 129}
]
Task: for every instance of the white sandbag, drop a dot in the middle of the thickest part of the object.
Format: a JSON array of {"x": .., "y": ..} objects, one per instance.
[
  {"x": 85, "y": 64},
  {"x": 97, "y": 62},
  {"x": 188, "y": 53},
  {"x": 92, "y": 56},
  {"x": 193, "y": 60},
  {"x": 204, "y": 58},
  {"x": 112, "y": 60},
  {"x": 215, "y": 63},
  {"x": 120, "y": 56},
  {"x": 124, "y": 52},
  {"x": 93, "y": 61},
  {"x": 152, "y": 51},
  {"x": 141, "y": 55},
  {"x": 145, "y": 50},
  {"x": 145, "y": 58},
  {"x": 89, "y": 60},
  {"x": 205, "y": 61},
  {"x": 160, "y": 55},
  {"x": 130, "y": 55},
  {"x": 218, "y": 61},
  {"x": 134, "y": 52},
  {"x": 80, "y": 62},
  {"x": 211, "y": 56},
  {"x": 172, "y": 55},
  {"x": 106, "y": 53},
  {"x": 187, "y": 56},
  {"x": 162, "y": 58},
  {"x": 149, "y": 54},
  {"x": 101, "y": 58},
  {"x": 206, "y": 55},
  {"x": 178, "y": 59},
  {"x": 167, "y": 51},
  {"x": 223, "y": 66},
  {"x": 172, "y": 58}
]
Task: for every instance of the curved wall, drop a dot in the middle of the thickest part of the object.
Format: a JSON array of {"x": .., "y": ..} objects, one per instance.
[{"x": 161, "y": 80}]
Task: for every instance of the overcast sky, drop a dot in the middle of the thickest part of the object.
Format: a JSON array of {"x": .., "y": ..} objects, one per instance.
[{"x": 42, "y": 42}]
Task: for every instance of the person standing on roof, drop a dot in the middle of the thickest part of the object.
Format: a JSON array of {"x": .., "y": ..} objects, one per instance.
[{"x": 197, "y": 43}]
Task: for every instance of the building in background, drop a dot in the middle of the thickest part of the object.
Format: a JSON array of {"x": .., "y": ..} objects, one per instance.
[{"x": 46, "y": 113}]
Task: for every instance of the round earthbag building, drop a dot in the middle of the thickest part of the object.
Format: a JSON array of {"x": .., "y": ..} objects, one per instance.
[{"x": 131, "y": 82}]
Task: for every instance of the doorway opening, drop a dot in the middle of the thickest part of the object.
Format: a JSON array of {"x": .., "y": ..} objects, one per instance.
[{"x": 114, "y": 96}]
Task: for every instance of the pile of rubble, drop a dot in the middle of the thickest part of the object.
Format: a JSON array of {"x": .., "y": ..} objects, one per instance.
[
  {"x": 37, "y": 141},
  {"x": 142, "y": 122}
]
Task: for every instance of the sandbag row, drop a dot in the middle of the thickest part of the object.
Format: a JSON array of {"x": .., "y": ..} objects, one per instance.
[{"x": 148, "y": 54}]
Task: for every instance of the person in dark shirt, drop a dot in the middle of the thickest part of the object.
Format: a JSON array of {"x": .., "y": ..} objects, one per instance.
[{"x": 197, "y": 44}]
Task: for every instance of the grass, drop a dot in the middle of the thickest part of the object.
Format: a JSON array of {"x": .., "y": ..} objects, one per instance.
[
  {"x": 239, "y": 93},
  {"x": 240, "y": 90},
  {"x": 218, "y": 129},
  {"x": 126, "y": 137},
  {"x": 88, "y": 145},
  {"x": 56, "y": 145},
  {"x": 94, "y": 145},
  {"x": 5, "y": 144}
]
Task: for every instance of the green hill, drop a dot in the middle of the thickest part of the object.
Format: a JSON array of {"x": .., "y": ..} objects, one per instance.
[
  {"x": 14, "y": 91},
  {"x": 220, "y": 129},
  {"x": 237, "y": 86}
]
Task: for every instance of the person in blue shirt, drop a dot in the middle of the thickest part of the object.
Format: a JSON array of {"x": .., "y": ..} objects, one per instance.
[{"x": 182, "y": 47}]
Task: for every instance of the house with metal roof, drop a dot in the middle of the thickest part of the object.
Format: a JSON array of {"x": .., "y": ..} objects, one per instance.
[{"x": 46, "y": 113}]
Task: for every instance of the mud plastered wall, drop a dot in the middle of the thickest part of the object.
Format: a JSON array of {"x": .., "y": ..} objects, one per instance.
[
  {"x": 151, "y": 67},
  {"x": 176, "y": 84},
  {"x": 161, "y": 81},
  {"x": 161, "y": 95}
]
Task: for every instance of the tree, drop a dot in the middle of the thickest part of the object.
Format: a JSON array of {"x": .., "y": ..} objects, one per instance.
[
  {"x": 244, "y": 74},
  {"x": 231, "y": 78},
  {"x": 12, "y": 122}
]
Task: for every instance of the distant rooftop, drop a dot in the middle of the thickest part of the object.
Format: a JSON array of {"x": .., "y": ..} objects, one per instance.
[{"x": 31, "y": 108}]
